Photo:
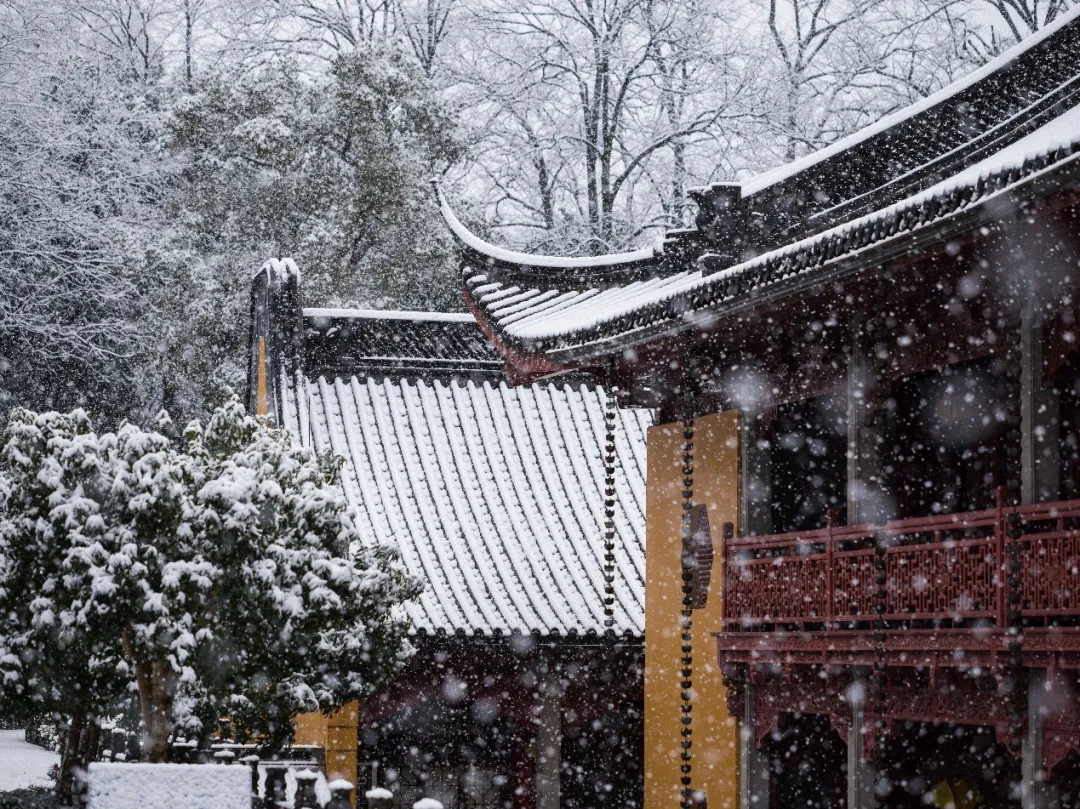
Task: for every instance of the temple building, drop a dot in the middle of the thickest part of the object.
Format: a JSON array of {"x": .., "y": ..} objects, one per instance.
[
  {"x": 526, "y": 687},
  {"x": 863, "y": 515}
]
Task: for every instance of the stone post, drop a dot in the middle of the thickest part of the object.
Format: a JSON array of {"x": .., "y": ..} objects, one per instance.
[
  {"x": 377, "y": 798},
  {"x": 305, "y": 790},
  {"x": 274, "y": 787}
]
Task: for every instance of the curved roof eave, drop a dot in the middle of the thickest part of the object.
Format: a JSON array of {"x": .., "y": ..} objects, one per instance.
[
  {"x": 887, "y": 236},
  {"x": 494, "y": 254},
  {"x": 521, "y": 366},
  {"x": 550, "y": 311}
]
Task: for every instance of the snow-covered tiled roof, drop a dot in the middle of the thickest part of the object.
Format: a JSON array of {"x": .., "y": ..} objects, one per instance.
[
  {"x": 1006, "y": 136},
  {"x": 493, "y": 494}
]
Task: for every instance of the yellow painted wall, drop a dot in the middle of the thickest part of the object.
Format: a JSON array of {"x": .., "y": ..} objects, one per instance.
[
  {"x": 310, "y": 728},
  {"x": 715, "y": 738},
  {"x": 337, "y": 735}
]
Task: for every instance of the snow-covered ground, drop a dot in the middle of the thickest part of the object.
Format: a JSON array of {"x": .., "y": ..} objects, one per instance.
[{"x": 21, "y": 764}]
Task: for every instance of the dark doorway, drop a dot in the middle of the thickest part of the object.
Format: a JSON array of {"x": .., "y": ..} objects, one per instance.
[
  {"x": 808, "y": 763},
  {"x": 933, "y": 765},
  {"x": 943, "y": 448},
  {"x": 602, "y": 761},
  {"x": 436, "y": 750},
  {"x": 808, "y": 456}
]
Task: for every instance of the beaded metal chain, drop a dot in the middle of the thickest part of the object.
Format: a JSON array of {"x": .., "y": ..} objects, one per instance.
[
  {"x": 687, "y": 615},
  {"x": 610, "y": 407}
]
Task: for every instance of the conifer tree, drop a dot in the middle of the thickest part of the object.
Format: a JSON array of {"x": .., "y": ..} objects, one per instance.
[{"x": 224, "y": 565}]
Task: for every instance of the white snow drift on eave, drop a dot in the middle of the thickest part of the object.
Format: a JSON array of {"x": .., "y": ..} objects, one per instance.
[
  {"x": 389, "y": 314},
  {"x": 493, "y": 495},
  {"x": 763, "y": 181},
  {"x": 615, "y": 302},
  {"x": 505, "y": 256}
]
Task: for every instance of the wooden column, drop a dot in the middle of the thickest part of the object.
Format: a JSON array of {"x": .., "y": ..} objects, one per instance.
[
  {"x": 1039, "y": 424},
  {"x": 1034, "y": 792},
  {"x": 524, "y": 747},
  {"x": 860, "y": 772},
  {"x": 754, "y": 780},
  {"x": 549, "y": 741},
  {"x": 755, "y": 491},
  {"x": 864, "y": 496}
]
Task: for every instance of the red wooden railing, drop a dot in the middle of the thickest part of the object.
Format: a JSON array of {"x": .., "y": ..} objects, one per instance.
[{"x": 944, "y": 568}]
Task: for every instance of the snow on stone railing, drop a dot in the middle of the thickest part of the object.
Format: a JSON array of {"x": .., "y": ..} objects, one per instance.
[
  {"x": 310, "y": 788},
  {"x": 379, "y": 798},
  {"x": 167, "y": 786},
  {"x": 208, "y": 786}
]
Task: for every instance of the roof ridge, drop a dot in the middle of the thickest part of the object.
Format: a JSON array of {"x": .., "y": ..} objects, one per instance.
[{"x": 947, "y": 93}]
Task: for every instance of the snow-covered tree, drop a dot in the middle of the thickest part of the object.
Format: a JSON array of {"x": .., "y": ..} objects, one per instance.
[
  {"x": 1026, "y": 16},
  {"x": 833, "y": 66},
  {"x": 226, "y": 563},
  {"x": 82, "y": 188},
  {"x": 589, "y": 110},
  {"x": 305, "y": 617},
  {"x": 330, "y": 170},
  {"x": 49, "y": 663}
]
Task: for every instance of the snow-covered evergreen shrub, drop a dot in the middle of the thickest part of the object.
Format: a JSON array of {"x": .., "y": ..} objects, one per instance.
[
  {"x": 225, "y": 566},
  {"x": 42, "y": 731}
]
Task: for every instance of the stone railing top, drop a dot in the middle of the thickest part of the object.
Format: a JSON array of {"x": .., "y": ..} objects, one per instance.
[{"x": 168, "y": 786}]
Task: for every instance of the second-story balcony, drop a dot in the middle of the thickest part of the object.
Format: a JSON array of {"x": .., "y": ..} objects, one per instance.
[{"x": 951, "y": 590}]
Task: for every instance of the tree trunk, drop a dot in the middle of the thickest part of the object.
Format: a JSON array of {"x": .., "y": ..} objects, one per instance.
[
  {"x": 88, "y": 748},
  {"x": 157, "y": 691},
  {"x": 189, "y": 35},
  {"x": 69, "y": 757}
]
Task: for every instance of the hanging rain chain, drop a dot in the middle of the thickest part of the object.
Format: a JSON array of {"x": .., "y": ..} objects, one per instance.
[
  {"x": 611, "y": 405},
  {"x": 1013, "y": 533},
  {"x": 686, "y": 620}
]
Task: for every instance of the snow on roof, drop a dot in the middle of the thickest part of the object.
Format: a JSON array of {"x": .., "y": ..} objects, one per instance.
[
  {"x": 768, "y": 178},
  {"x": 1061, "y": 131},
  {"x": 568, "y": 321},
  {"x": 494, "y": 495},
  {"x": 400, "y": 344},
  {"x": 591, "y": 307},
  {"x": 390, "y": 314}
]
